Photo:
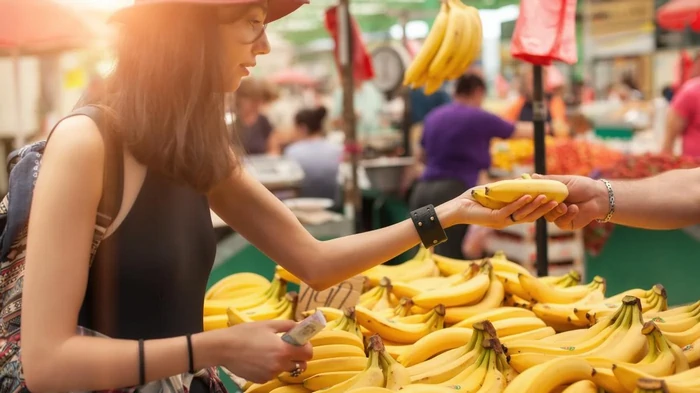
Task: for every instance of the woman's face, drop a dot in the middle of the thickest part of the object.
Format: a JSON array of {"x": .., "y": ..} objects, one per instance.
[{"x": 242, "y": 31}]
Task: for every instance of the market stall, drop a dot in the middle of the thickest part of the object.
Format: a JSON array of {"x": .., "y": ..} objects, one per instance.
[{"x": 430, "y": 319}]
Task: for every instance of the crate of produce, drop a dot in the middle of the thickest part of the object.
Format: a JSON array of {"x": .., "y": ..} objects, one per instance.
[{"x": 527, "y": 230}]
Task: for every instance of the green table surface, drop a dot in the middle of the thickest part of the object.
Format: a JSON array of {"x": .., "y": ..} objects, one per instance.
[{"x": 638, "y": 258}]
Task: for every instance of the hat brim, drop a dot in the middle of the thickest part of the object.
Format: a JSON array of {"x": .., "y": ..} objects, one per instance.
[{"x": 276, "y": 9}]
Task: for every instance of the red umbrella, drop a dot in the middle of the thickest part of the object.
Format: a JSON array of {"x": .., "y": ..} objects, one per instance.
[
  {"x": 677, "y": 15},
  {"x": 31, "y": 27},
  {"x": 292, "y": 77},
  {"x": 38, "y": 26}
]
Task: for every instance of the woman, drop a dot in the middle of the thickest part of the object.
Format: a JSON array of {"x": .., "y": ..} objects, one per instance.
[
  {"x": 318, "y": 157},
  {"x": 165, "y": 100},
  {"x": 455, "y": 148},
  {"x": 252, "y": 126}
]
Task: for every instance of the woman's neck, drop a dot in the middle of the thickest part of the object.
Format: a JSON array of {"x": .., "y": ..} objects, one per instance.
[{"x": 469, "y": 101}]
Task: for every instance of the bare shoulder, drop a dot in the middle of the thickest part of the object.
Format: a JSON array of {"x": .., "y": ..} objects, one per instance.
[
  {"x": 75, "y": 153},
  {"x": 77, "y": 139}
]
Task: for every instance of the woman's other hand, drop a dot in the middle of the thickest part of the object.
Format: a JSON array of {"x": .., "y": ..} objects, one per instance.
[
  {"x": 525, "y": 209},
  {"x": 254, "y": 351}
]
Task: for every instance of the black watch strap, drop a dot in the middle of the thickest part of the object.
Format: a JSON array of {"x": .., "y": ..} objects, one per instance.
[{"x": 428, "y": 226}]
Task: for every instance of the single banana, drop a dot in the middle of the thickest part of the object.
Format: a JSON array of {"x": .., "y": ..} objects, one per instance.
[
  {"x": 479, "y": 195},
  {"x": 421, "y": 63},
  {"x": 291, "y": 389},
  {"x": 212, "y": 322},
  {"x": 403, "y": 333},
  {"x": 581, "y": 387},
  {"x": 266, "y": 387},
  {"x": 544, "y": 293},
  {"x": 326, "y": 380},
  {"x": 535, "y": 334},
  {"x": 491, "y": 300},
  {"x": 547, "y": 376},
  {"x": 509, "y": 327},
  {"x": 330, "y": 313},
  {"x": 511, "y": 284},
  {"x": 237, "y": 281},
  {"x": 337, "y": 350},
  {"x": 454, "y": 68},
  {"x": 370, "y": 389},
  {"x": 468, "y": 292},
  {"x": 313, "y": 367},
  {"x": 329, "y": 337},
  {"x": 496, "y": 314},
  {"x": 433, "y": 362},
  {"x": 472, "y": 48},
  {"x": 511, "y": 190},
  {"x": 435, "y": 344}
]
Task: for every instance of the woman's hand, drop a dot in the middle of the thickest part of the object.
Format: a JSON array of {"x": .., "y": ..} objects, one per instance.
[
  {"x": 525, "y": 209},
  {"x": 254, "y": 351}
]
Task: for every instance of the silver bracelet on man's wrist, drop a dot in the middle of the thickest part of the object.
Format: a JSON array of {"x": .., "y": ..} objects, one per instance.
[{"x": 611, "y": 202}]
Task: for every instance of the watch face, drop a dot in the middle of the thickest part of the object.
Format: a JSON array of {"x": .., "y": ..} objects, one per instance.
[{"x": 388, "y": 68}]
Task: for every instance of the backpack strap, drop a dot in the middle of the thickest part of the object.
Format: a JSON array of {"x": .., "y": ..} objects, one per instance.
[{"x": 113, "y": 179}]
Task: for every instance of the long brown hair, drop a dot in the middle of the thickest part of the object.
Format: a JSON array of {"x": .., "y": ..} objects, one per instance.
[{"x": 166, "y": 94}]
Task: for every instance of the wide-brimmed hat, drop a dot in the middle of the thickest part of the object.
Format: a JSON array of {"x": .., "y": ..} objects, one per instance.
[{"x": 276, "y": 9}]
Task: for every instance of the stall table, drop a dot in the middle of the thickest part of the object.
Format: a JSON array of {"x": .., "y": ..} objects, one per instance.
[{"x": 639, "y": 258}]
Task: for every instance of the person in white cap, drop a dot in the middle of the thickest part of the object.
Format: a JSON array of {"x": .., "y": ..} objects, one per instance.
[{"x": 139, "y": 306}]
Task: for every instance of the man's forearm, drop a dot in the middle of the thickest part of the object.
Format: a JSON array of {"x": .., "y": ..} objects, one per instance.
[{"x": 667, "y": 201}]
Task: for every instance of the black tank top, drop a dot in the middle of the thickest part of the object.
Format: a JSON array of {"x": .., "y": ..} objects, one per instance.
[{"x": 149, "y": 277}]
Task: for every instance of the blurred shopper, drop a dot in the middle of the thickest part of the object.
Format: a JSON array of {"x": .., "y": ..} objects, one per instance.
[
  {"x": 252, "y": 126},
  {"x": 455, "y": 147},
  {"x": 132, "y": 316},
  {"x": 683, "y": 117},
  {"x": 318, "y": 157},
  {"x": 522, "y": 109}
]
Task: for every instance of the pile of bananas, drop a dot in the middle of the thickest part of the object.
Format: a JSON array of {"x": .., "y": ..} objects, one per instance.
[
  {"x": 435, "y": 324},
  {"x": 247, "y": 297},
  {"x": 451, "y": 46},
  {"x": 499, "y": 194},
  {"x": 339, "y": 364}
]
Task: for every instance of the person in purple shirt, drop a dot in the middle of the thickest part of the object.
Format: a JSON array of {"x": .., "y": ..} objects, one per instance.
[{"x": 456, "y": 149}]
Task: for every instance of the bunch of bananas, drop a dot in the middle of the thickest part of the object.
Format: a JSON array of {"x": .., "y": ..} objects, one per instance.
[
  {"x": 339, "y": 364},
  {"x": 452, "y": 44},
  {"x": 247, "y": 297},
  {"x": 499, "y": 194}
]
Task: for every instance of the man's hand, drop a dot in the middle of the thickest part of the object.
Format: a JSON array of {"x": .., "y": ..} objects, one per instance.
[{"x": 587, "y": 201}]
